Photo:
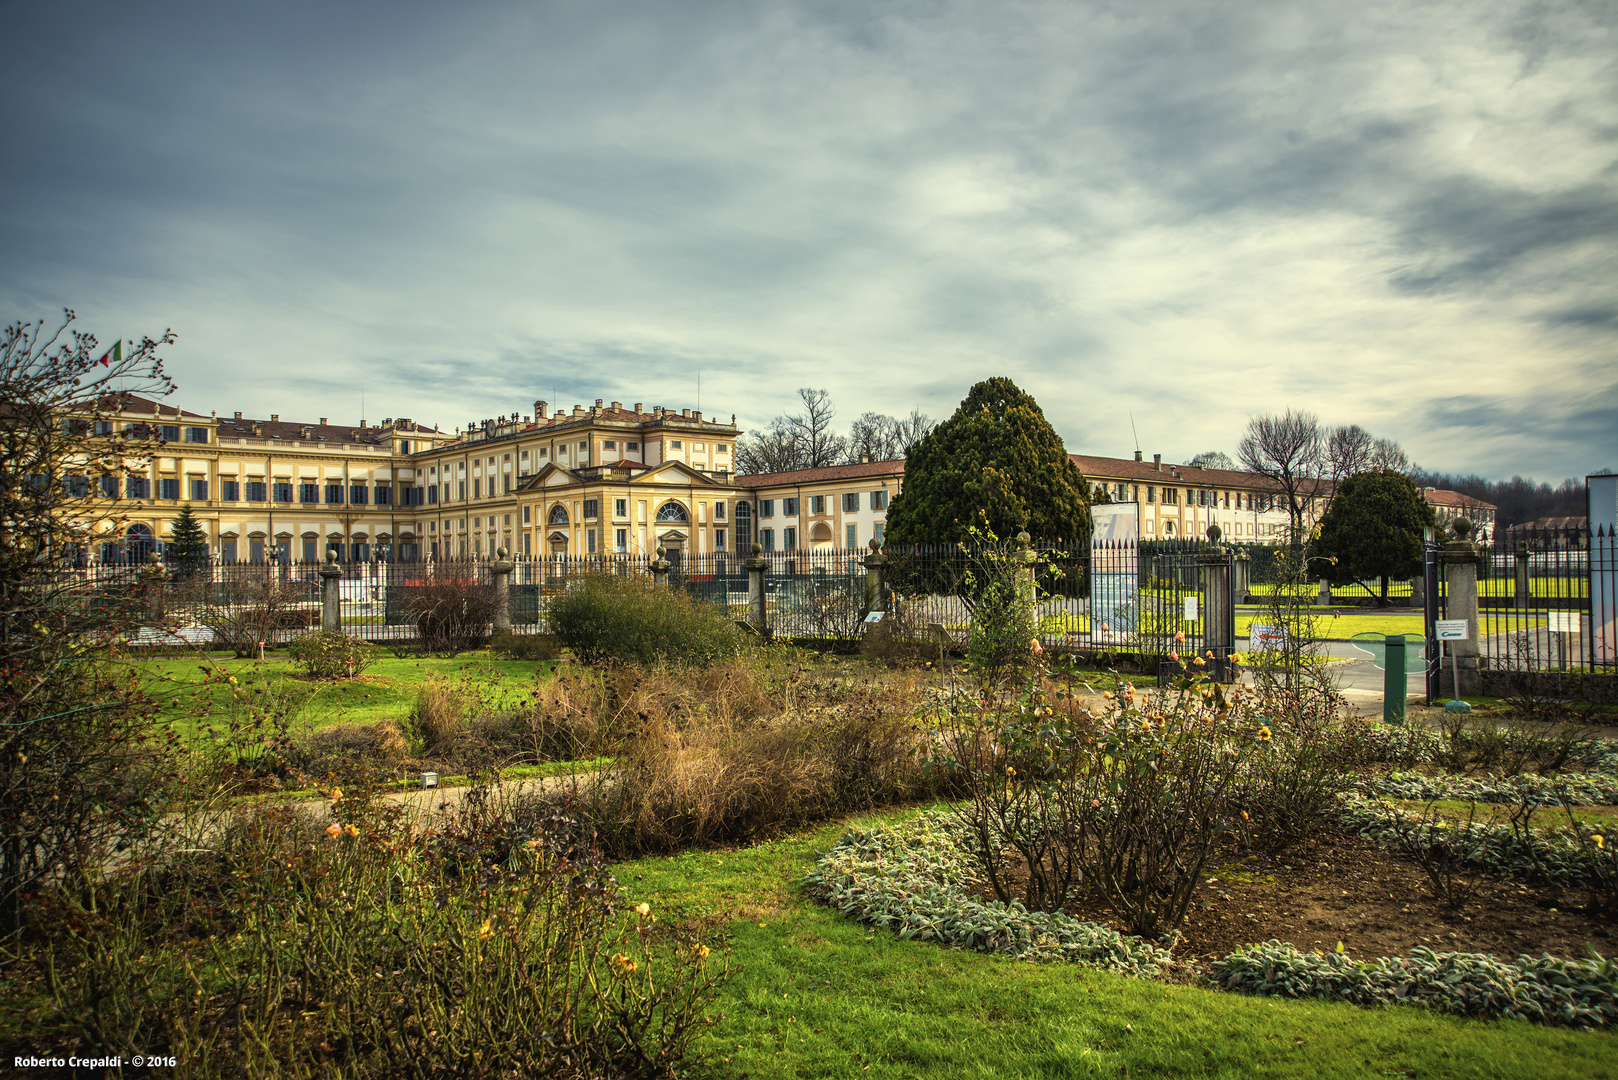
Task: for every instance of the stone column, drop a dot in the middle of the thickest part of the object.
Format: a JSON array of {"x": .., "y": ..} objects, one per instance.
[
  {"x": 1241, "y": 577},
  {"x": 1324, "y": 598},
  {"x": 500, "y": 576},
  {"x": 876, "y": 596},
  {"x": 1216, "y": 576},
  {"x": 1418, "y": 591},
  {"x": 757, "y": 611},
  {"x": 660, "y": 568},
  {"x": 1460, "y": 560},
  {"x": 1028, "y": 560},
  {"x": 331, "y": 593}
]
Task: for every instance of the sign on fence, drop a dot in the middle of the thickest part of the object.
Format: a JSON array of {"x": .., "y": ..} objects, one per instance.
[
  {"x": 1565, "y": 622},
  {"x": 1115, "y": 572},
  {"x": 1191, "y": 609},
  {"x": 1266, "y": 637},
  {"x": 1451, "y": 630}
]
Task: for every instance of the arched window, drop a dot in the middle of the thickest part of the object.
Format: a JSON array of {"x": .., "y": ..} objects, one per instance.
[
  {"x": 558, "y": 515},
  {"x": 672, "y": 511},
  {"x": 139, "y": 543}
]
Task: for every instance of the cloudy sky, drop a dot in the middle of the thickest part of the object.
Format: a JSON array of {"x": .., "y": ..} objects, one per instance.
[{"x": 1401, "y": 215}]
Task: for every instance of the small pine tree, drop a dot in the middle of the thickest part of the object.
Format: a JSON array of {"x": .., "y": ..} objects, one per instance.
[
  {"x": 188, "y": 544},
  {"x": 1373, "y": 529},
  {"x": 996, "y": 463}
]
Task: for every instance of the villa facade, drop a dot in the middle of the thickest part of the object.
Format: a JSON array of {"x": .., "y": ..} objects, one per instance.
[{"x": 589, "y": 481}]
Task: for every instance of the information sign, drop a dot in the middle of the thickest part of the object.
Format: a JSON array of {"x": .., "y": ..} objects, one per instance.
[
  {"x": 1565, "y": 622},
  {"x": 1451, "y": 629},
  {"x": 1191, "y": 609},
  {"x": 1266, "y": 637}
]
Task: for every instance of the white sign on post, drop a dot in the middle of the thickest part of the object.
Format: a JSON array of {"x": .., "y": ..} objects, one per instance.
[
  {"x": 1451, "y": 630},
  {"x": 1564, "y": 622},
  {"x": 1190, "y": 609},
  {"x": 1266, "y": 637}
]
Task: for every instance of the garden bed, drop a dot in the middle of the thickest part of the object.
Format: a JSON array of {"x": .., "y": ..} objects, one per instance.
[{"x": 1347, "y": 888}]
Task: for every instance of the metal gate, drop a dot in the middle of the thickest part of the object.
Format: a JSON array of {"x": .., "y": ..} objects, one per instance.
[{"x": 1188, "y": 610}]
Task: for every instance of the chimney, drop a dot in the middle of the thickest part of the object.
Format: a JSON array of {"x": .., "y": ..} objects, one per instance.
[
  {"x": 578, "y": 410},
  {"x": 1157, "y": 462},
  {"x": 539, "y": 409},
  {"x": 1137, "y": 455},
  {"x": 238, "y": 414},
  {"x": 865, "y": 459},
  {"x": 599, "y": 403},
  {"x": 617, "y": 406},
  {"x": 324, "y": 422},
  {"x": 638, "y": 407},
  {"x": 275, "y": 418},
  {"x": 685, "y": 414},
  {"x": 528, "y": 419},
  {"x": 697, "y": 416}
]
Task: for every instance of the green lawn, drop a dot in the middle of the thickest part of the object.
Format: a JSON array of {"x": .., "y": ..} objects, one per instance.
[
  {"x": 816, "y": 996},
  {"x": 195, "y": 693}
]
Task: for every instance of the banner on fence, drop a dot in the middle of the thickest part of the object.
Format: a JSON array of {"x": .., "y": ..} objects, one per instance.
[
  {"x": 1114, "y": 567},
  {"x": 1601, "y": 493}
]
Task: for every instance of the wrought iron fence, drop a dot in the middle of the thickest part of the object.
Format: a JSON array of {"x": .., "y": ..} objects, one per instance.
[{"x": 1546, "y": 606}]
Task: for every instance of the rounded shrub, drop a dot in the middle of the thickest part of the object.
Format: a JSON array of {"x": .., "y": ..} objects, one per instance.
[
  {"x": 331, "y": 654},
  {"x": 606, "y": 619}
]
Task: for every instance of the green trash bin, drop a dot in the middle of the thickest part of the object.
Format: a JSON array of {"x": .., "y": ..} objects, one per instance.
[{"x": 1391, "y": 653}]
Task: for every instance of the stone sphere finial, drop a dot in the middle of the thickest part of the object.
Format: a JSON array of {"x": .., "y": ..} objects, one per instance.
[
  {"x": 758, "y": 548},
  {"x": 1024, "y": 539},
  {"x": 661, "y": 552},
  {"x": 875, "y": 545},
  {"x": 1214, "y": 534},
  {"x": 502, "y": 553},
  {"x": 331, "y": 556},
  {"x": 1461, "y": 528}
]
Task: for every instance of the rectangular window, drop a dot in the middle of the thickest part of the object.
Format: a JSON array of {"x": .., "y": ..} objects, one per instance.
[
  {"x": 881, "y": 530},
  {"x": 853, "y": 536},
  {"x": 384, "y": 495},
  {"x": 719, "y": 511},
  {"x": 851, "y": 504},
  {"x": 477, "y": 489},
  {"x": 283, "y": 491},
  {"x": 719, "y": 539},
  {"x": 789, "y": 507},
  {"x": 766, "y": 539},
  {"x": 358, "y": 494},
  {"x": 168, "y": 487},
  {"x": 789, "y": 538},
  {"x": 460, "y": 490},
  {"x": 631, "y": 446},
  {"x": 308, "y": 493},
  {"x": 109, "y": 487},
  {"x": 257, "y": 490},
  {"x": 620, "y": 540},
  {"x": 766, "y": 508},
  {"x": 879, "y": 500},
  {"x": 721, "y": 448},
  {"x": 590, "y": 508},
  {"x": 196, "y": 434},
  {"x": 169, "y": 432},
  {"x": 311, "y": 551},
  {"x": 230, "y": 490},
  {"x": 103, "y": 427},
  {"x": 525, "y": 512},
  {"x": 404, "y": 446},
  {"x": 508, "y": 483},
  {"x": 199, "y": 490},
  {"x": 609, "y": 444},
  {"x": 817, "y": 504},
  {"x": 334, "y": 494},
  {"x": 590, "y": 541},
  {"x": 432, "y": 494},
  {"x": 620, "y": 508},
  {"x": 674, "y": 444},
  {"x": 1151, "y": 494},
  {"x": 585, "y": 445}
]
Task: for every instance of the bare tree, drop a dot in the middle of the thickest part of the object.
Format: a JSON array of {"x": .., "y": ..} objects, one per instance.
[
  {"x": 769, "y": 451},
  {"x": 1290, "y": 450},
  {"x": 1214, "y": 459},
  {"x": 910, "y": 430},
  {"x": 873, "y": 437},
  {"x": 1349, "y": 450},
  {"x": 817, "y": 444},
  {"x": 1388, "y": 454}
]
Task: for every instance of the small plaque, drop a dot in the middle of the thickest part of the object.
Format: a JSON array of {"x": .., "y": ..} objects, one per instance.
[
  {"x": 1191, "y": 609},
  {"x": 1451, "y": 629},
  {"x": 875, "y": 616},
  {"x": 1266, "y": 637},
  {"x": 1565, "y": 622}
]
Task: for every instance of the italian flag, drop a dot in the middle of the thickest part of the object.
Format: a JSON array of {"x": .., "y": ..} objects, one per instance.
[{"x": 113, "y": 355}]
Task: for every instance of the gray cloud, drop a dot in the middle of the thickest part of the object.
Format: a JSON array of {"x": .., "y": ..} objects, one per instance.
[{"x": 1393, "y": 215}]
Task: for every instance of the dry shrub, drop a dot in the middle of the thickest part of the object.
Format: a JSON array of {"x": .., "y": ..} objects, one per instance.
[
  {"x": 693, "y": 778},
  {"x": 340, "y": 745}
]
